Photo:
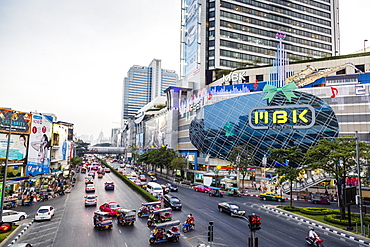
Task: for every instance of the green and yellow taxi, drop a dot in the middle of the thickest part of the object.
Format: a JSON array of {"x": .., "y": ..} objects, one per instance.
[{"x": 271, "y": 196}]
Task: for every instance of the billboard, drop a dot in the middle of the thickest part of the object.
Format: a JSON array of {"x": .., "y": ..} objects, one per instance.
[
  {"x": 17, "y": 146},
  {"x": 60, "y": 139},
  {"x": 39, "y": 149},
  {"x": 191, "y": 36},
  {"x": 20, "y": 121},
  {"x": 155, "y": 132}
]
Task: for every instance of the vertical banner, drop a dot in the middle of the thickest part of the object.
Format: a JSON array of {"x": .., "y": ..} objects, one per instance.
[{"x": 39, "y": 149}]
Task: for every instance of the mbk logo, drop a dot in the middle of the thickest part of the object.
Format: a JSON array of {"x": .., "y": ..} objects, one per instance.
[{"x": 282, "y": 117}]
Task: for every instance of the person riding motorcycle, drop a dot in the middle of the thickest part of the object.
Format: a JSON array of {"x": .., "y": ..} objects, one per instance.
[
  {"x": 313, "y": 235},
  {"x": 190, "y": 219}
]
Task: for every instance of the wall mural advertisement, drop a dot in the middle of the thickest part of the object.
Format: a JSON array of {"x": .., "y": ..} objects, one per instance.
[
  {"x": 21, "y": 121},
  {"x": 62, "y": 141},
  {"x": 17, "y": 146},
  {"x": 155, "y": 132},
  {"x": 190, "y": 36},
  {"x": 39, "y": 145}
]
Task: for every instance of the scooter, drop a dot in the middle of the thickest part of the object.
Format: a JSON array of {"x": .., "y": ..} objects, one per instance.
[
  {"x": 186, "y": 226},
  {"x": 316, "y": 243}
]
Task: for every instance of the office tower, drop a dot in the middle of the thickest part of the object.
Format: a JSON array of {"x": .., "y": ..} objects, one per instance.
[
  {"x": 143, "y": 84},
  {"x": 230, "y": 34}
]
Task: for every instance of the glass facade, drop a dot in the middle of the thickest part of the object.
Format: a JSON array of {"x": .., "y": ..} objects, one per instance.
[{"x": 250, "y": 120}]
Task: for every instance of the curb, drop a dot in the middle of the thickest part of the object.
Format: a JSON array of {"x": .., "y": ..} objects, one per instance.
[
  {"x": 320, "y": 225},
  {"x": 21, "y": 233}
]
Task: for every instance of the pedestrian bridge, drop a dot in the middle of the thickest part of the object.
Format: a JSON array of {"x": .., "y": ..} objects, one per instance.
[{"x": 106, "y": 150}]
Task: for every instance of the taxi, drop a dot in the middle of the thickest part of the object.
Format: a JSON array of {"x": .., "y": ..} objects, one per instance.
[{"x": 271, "y": 196}]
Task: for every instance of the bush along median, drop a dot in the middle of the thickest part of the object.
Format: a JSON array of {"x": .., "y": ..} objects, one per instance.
[
  {"x": 330, "y": 217},
  {"x": 145, "y": 194}
]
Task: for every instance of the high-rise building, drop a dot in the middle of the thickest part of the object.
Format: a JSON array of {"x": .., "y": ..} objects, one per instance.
[
  {"x": 144, "y": 84},
  {"x": 230, "y": 34}
]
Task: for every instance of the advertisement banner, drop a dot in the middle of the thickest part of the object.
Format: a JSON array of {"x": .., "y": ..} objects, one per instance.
[
  {"x": 20, "y": 121},
  {"x": 17, "y": 146},
  {"x": 39, "y": 149}
]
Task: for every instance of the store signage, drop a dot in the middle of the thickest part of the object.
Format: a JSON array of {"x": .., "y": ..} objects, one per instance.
[
  {"x": 282, "y": 117},
  {"x": 234, "y": 76}
]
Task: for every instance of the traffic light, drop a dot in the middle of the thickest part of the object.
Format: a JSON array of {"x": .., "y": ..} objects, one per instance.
[
  {"x": 254, "y": 222},
  {"x": 210, "y": 232}
]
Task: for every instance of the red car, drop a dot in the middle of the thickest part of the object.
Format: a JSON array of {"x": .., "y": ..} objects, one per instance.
[
  {"x": 142, "y": 178},
  {"x": 110, "y": 207},
  {"x": 202, "y": 188}
]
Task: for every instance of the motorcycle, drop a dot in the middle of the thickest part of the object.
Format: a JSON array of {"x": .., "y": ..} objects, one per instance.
[
  {"x": 317, "y": 242},
  {"x": 186, "y": 226}
]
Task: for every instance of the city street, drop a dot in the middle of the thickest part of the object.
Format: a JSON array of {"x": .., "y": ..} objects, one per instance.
[{"x": 73, "y": 222}]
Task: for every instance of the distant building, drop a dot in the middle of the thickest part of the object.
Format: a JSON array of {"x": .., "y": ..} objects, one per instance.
[
  {"x": 230, "y": 34},
  {"x": 143, "y": 84}
]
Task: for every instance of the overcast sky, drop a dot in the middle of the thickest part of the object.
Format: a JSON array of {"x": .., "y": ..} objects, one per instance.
[{"x": 69, "y": 57}]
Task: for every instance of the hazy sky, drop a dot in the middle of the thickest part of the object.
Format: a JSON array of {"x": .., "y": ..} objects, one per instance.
[{"x": 69, "y": 57}]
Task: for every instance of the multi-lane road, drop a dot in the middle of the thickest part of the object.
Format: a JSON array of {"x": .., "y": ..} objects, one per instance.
[{"x": 73, "y": 222}]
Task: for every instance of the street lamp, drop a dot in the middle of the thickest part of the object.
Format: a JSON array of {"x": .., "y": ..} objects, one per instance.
[
  {"x": 264, "y": 163},
  {"x": 365, "y": 45},
  {"x": 5, "y": 169}
]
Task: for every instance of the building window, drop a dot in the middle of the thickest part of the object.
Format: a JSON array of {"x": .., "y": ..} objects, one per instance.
[
  {"x": 361, "y": 67},
  {"x": 341, "y": 72},
  {"x": 259, "y": 78}
]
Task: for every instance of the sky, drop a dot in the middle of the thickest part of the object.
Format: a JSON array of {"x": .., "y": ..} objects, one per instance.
[{"x": 70, "y": 57}]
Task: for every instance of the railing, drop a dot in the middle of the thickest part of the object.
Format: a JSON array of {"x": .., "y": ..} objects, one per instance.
[{"x": 302, "y": 185}]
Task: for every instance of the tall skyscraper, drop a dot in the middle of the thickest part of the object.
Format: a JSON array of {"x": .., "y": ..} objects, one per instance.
[
  {"x": 143, "y": 84},
  {"x": 229, "y": 34}
]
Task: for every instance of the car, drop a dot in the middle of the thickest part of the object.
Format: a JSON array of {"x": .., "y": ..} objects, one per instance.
[
  {"x": 271, "y": 196},
  {"x": 230, "y": 208},
  {"x": 89, "y": 180},
  {"x": 137, "y": 182},
  {"x": 12, "y": 215},
  {"x": 153, "y": 179},
  {"x": 111, "y": 207},
  {"x": 172, "y": 202},
  {"x": 122, "y": 166},
  {"x": 173, "y": 187},
  {"x": 151, "y": 173},
  {"x": 20, "y": 245},
  {"x": 202, "y": 188},
  {"x": 45, "y": 213},
  {"x": 107, "y": 170},
  {"x": 109, "y": 185},
  {"x": 91, "y": 174},
  {"x": 165, "y": 189},
  {"x": 91, "y": 200},
  {"x": 142, "y": 178},
  {"x": 100, "y": 175},
  {"x": 90, "y": 188}
]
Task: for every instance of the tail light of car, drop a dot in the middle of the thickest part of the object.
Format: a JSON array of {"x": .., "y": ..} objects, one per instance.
[{"x": 5, "y": 227}]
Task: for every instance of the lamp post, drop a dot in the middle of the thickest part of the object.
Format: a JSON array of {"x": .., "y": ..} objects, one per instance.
[
  {"x": 264, "y": 163},
  {"x": 365, "y": 45},
  {"x": 5, "y": 169}
]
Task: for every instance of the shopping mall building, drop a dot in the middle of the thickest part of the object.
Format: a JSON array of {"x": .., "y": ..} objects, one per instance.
[{"x": 331, "y": 99}]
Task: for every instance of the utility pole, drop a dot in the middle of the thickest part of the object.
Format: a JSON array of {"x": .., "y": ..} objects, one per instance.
[{"x": 359, "y": 184}]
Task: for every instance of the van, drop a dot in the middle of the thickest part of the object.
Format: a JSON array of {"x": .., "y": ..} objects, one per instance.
[{"x": 154, "y": 189}]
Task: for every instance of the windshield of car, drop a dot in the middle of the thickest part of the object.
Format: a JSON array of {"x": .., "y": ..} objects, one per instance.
[
  {"x": 234, "y": 207},
  {"x": 175, "y": 200},
  {"x": 90, "y": 197},
  {"x": 43, "y": 211}
]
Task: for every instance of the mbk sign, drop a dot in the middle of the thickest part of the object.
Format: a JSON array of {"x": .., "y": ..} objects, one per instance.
[{"x": 234, "y": 76}]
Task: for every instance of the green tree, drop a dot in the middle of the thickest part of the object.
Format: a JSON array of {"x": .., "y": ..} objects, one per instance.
[
  {"x": 338, "y": 159},
  {"x": 178, "y": 163},
  {"x": 222, "y": 72},
  {"x": 159, "y": 158},
  {"x": 293, "y": 157},
  {"x": 81, "y": 147},
  {"x": 241, "y": 158}
]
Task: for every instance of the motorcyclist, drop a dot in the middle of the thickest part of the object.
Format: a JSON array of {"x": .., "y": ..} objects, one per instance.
[
  {"x": 312, "y": 235},
  {"x": 190, "y": 219}
]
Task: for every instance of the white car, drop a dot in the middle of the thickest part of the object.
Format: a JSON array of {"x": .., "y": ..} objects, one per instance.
[
  {"x": 90, "y": 188},
  {"x": 11, "y": 215},
  {"x": 91, "y": 200},
  {"x": 45, "y": 213}
]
